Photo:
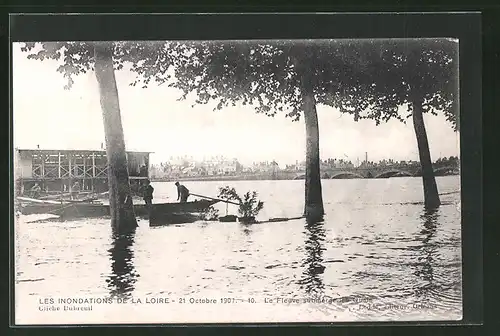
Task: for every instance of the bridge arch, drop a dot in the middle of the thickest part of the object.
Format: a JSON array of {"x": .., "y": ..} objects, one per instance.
[
  {"x": 393, "y": 172},
  {"x": 345, "y": 173}
]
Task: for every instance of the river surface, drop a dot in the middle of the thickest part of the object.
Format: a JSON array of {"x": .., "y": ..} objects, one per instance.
[{"x": 378, "y": 256}]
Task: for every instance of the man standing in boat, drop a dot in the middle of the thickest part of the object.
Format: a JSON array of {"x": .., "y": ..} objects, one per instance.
[
  {"x": 147, "y": 193},
  {"x": 35, "y": 191},
  {"x": 75, "y": 190},
  {"x": 182, "y": 192}
]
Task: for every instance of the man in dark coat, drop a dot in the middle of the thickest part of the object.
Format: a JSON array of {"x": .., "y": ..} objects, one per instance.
[
  {"x": 182, "y": 192},
  {"x": 35, "y": 191},
  {"x": 147, "y": 193},
  {"x": 75, "y": 190}
]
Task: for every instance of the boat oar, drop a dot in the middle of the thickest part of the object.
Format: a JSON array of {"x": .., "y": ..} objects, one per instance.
[{"x": 215, "y": 199}]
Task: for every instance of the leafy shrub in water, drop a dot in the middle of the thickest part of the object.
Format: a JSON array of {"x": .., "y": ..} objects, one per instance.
[
  {"x": 210, "y": 214},
  {"x": 249, "y": 206},
  {"x": 229, "y": 194}
]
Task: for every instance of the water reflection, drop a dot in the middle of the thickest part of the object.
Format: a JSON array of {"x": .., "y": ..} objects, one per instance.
[
  {"x": 246, "y": 228},
  {"x": 312, "y": 279},
  {"x": 123, "y": 275},
  {"x": 428, "y": 251}
]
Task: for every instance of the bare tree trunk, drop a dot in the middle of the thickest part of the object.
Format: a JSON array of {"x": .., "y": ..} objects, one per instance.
[
  {"x": 431, "y": 195},
  {"x": 313, "y": 209},
  {"x": 120, "y": 199}
]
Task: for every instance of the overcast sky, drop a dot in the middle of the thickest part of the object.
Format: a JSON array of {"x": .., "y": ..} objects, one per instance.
[{"x": 153, "y": 120}]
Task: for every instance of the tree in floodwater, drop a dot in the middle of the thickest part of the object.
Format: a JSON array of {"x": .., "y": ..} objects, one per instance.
[
  {"x": 121, "y": 205},
  {"x": 289, "y": 77},
  {"x": 80, "y": 57},
  {"x": 421, "y": 74}
]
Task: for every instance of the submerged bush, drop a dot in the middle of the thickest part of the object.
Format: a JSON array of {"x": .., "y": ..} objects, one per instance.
[
  {"x": 249, "y": 206},
  {"x": 210, "y": 214}
]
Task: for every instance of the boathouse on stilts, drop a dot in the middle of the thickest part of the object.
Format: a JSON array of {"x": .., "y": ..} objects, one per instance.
[{"x": 56, "y": 170}]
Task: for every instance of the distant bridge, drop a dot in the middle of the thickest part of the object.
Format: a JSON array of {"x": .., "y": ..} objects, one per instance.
[{"x": 372, "y": 172}]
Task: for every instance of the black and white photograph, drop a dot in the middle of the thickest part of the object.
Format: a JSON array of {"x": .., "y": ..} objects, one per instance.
[{"x": 237, "y": 181}]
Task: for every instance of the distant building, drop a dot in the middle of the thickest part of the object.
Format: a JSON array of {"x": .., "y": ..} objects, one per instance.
[
  {"x": 274, "y": 167},
  {"x": 211, "y": 169},
  {"x": 301, "y": 166},
  {"x": 247, "y": 170},
  {"x": 227, "y": 167}
]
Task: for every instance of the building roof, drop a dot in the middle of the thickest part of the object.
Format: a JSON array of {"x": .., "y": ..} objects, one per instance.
[{"x": 74, "y": 150}]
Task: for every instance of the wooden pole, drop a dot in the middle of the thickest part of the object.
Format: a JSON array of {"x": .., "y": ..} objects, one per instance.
[
  {"x": 43, "y": 165},
  {"x": 93, "y": 164},
  {"x": 84, "y": 171},
  {"x": 59, "y": 164},
  {"x": 70, "y": 173},
  {"x": 215, "y": 199}
]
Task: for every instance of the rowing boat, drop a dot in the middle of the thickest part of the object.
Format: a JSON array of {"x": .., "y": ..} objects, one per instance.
[{"x": 66, "y": 210}]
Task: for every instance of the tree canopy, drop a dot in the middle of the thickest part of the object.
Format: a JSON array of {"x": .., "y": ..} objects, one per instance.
[
  {"x": 370, "y": 79},
  {"x": 264, "y": 74},
  {"x": 399, "y": 73},
  {"x": 78, "y": 57}
]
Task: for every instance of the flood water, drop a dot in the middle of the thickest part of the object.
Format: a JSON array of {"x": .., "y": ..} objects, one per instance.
[{"x": 377, "y": 256}]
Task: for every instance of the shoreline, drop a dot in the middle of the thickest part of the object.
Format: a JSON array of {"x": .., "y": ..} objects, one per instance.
[
  {"x": 222, "y": 178},
  {"x": 259, "y": 178}
]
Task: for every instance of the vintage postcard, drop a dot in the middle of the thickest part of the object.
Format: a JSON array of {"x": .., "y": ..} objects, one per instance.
[{"x": 237, "y": 181}]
